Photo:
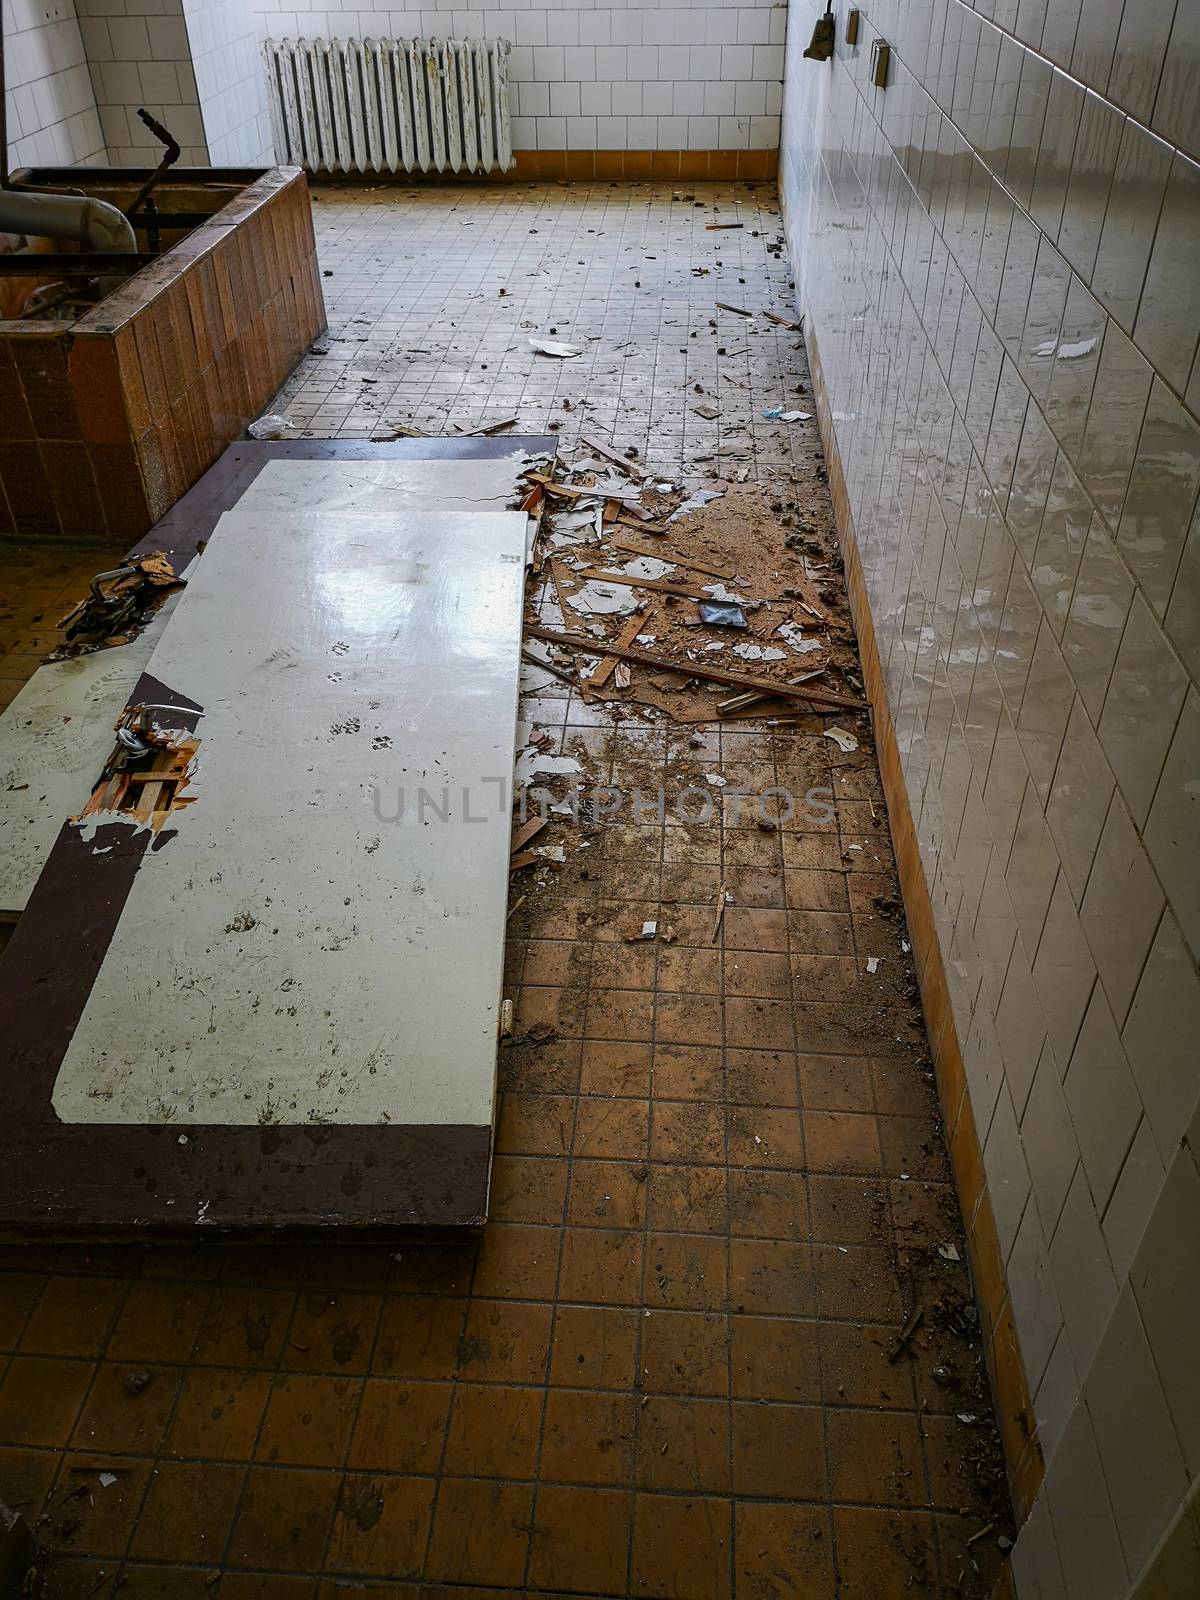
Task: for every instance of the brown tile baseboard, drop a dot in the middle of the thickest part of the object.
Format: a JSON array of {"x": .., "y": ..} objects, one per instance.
[
  {"x": 1014, "y": 1408},
  {"x": 607, "y": 166}
]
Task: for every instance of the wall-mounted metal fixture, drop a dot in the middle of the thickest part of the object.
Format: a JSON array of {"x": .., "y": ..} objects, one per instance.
[
  {"x": 881, "y": 56},
  {"x": 852, "y": 27},
  {"x": 821, "y": 47}
]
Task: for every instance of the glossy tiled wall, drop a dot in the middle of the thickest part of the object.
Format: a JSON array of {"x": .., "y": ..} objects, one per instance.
[
  {"x": 231, "y": 84},
  {"x": 51, "y": 109},
  {"x": 139, "y": 56},
  {"x": 590, "y": 75},
  {"x": 998, "y": 256}
]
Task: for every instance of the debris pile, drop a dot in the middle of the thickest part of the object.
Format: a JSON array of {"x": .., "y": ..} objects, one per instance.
[{"x": 117, "y": 606}]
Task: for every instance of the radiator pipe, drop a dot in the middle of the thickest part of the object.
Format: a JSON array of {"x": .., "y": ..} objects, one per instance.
[{"x": 100, "y": 226}]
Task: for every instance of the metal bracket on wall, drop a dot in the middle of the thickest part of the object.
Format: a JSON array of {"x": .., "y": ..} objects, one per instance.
[
  {"x": 881, "y": 56},
  {"x": 851, "y": 33}
]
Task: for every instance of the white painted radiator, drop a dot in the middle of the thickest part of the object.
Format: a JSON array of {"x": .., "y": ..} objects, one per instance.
[{"x": 390, "y": 105}]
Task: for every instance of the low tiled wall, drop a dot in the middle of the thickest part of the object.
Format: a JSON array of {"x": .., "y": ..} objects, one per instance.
[
  {"x": 106, "y": 421},
  {"x": 996, "y": 257}
]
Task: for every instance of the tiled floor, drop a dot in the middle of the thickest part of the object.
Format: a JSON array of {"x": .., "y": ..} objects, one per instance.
[{"x": 662, "y": 1370}]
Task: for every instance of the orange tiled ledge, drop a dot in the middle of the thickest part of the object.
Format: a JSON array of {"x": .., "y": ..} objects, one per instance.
[
  {"x": 1014, "y": 1407},
  {"x": 106, "y": 421},
  {"x": 630, "y": 166}
]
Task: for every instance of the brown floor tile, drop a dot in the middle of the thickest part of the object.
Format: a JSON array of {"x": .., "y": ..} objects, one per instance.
[
  {"x": 588, "y": 1438},
  {"x": 244, "y": 1326},
  {"x": 595, "y": 1347},
  {"x": 762, "y": 1077},
  {"x": 770, "y": 1276},
  {"x": 494, "y": 1432},
  {"x": 608, "y": 1194},
  {"x": 517, "y": 1263},
  {"x": 681, "y": 1547},
  {"x": 535, "y": 1124},
  {"x": 400, "y": 1427},
  {"x": 784, "y": 1552},
  {"x": 686, "y": 1272},
  {"x": 687, "y": 1072},
  {"x": 855, "y": 1370},
  {"x": 601, "y": 1266},
  {"x": 419, "y": 1338},
  {"x": 684, "y": 1199},
  {"x": 19, "y": 1293},
  {"x": 616, "y": 1127},
  {"x": 611, "y": 1067},
  {"x": 381, "y": 1525},
  {"x": 283, "y": 1519},
  {"x": 480, "y": 1532},
  {"x": 73, "y": 1317},
  {"x": 528, "y": 1189},
  {"x": 580, "y": 1540},
  {"x": 687, "y": 1130},
  {"x": 884, "y": 1552},
  {"x": 159, "y": 1322},
  {"x": 760, "y": 1137},
  {"x": 875, "y": 1457},
  {"x": 40, "y": 1399},
  {"x": 836, "y": 1083},
  {"x": 621, "y": 1014},
  {"x": 218, "y": 1413},
  {"x": 778, "y": 1451},
  {"x": 842, "y": 1141},
  {"x": 188, "y": 1511},
  {"x": 775, "y": 1358},
  {"x": 685, "y": 1353},
  {"x": 308, "y": 1421},
  {"x": 766, "y": 1204},
  {"x": 683, "y": 1443},
  {"x": 127, "y": 1410},
  {"x": 855, "y": 1281},
  {"x": 505, "y": 1342},
  {"x": 687, "y": 1019}
]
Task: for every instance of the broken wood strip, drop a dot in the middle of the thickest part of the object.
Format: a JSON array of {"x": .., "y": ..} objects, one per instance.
[
  {"x": 633, "y": 626},
  {"x": 487, "y": 427},
  {"x": 694, "y": 669},
  {"x": 610, "y": 454},
  {"x": 716, "y": 932},
  {"x": 575, "y": 491},
  {"x": 900, "y": 1343},
  {"x": 626, "y": 519},
  {"x": 720, "y": 227},
  {"x": 677, "y": 561},
  {"x": 526, "y": 858},
  {"x": 784, "y": 322},
  {"x": 527, "y": 832},
  {"x": 737, "y": 310},
  {"x": 660, "y": 584},
  {"x": 550, "y": 667}
]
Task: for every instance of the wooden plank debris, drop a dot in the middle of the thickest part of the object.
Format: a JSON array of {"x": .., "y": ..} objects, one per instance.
[
  {"x": 634, "y": 625},
  {"x": 528, "y": 831},
  {"x": 739, "y": 311},
  {"x": 623, "y": 581},
  {"x": 598, "y": 447},
  {"x": 689, "y": 562},
  {"x": 694, "y": 669}
]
